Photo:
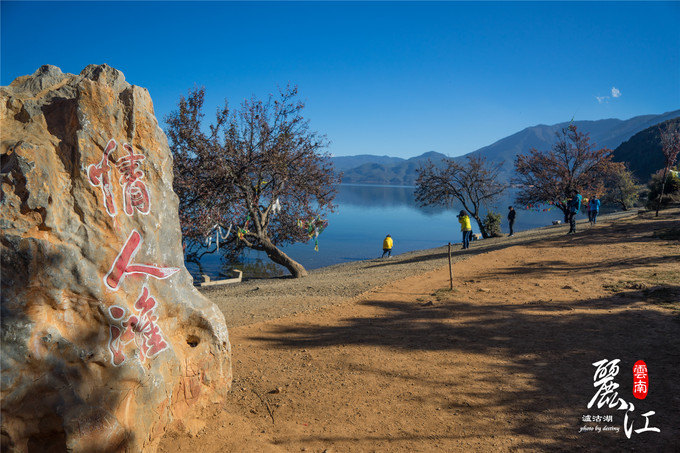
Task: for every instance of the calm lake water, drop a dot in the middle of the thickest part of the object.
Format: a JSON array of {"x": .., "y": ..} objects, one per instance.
[{"x": 365, "y": 214}]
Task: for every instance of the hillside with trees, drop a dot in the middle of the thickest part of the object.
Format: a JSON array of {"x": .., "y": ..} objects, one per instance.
[{"x": 643, "y": 151}]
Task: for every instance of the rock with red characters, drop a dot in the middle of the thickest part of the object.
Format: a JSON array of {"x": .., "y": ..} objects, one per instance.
[{"x": 105, "y": 340}]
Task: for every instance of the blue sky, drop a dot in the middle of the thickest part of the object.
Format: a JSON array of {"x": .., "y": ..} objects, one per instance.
[{"x": 379, "y": 78}]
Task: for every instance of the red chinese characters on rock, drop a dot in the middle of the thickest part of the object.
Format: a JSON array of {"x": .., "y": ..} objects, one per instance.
[
  {"x": 140, "y": 328},
  {"x": 640, "y": 380},
  {"x": 139, "y": 325},
  {"x": 99, "y": 175},
  {"x": 135, "y": 194},
  {"x": 123, "y": 267}
]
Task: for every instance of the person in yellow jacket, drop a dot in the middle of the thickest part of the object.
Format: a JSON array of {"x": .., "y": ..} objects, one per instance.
[
  {"x": 387, "y": 246},
  {"x": 466, "y": 228}
]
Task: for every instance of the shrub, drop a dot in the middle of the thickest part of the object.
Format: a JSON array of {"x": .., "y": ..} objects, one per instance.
[
  {"x": 492, "y": 224},
  {"x": 622, "y": 190},
  {"x": 671, "y": 191}
]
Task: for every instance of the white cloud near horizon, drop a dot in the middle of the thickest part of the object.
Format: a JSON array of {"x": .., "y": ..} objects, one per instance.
[{"x": 616, "y": 93}]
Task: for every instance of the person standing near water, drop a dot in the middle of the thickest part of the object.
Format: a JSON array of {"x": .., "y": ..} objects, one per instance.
[
  {"x": 574, "y": 207},
  {"x": 594, "y": 209},
  {"x": 388, "y": 243},
  {"x": 465, "y": 228},
  {"x": 511, "y": 219}
]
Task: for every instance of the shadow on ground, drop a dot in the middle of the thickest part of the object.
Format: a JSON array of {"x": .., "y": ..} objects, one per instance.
[{"x": 556, "y": 348}]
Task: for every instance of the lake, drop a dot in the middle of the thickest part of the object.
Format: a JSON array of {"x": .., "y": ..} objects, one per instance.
[{"x": 364, "y": 215}]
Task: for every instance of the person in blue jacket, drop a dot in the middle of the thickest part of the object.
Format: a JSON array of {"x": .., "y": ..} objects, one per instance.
[
  {"x": 574, "y": 207},
  {"x": 593, "y": 209}
]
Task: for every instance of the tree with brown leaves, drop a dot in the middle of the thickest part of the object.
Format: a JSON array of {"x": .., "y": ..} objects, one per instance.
[
  {"x": 573, "y": 164},
  {"x": 670, "y": 144},
  {"x": 258, "y": 168},
  {"x": 474, "y": 184}
]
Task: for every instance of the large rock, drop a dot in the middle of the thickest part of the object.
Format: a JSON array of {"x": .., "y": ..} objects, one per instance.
[{"x": 104, "y": 338}]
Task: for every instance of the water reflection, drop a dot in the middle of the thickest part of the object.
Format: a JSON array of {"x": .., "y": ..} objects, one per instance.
[
  {"x": 253, "y": 266},
  {"x": 381, "y": 196},
  {"x": 369, "y": 196}
]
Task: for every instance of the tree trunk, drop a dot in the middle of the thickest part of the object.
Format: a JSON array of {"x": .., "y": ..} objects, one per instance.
[
  {"x": 296, "y": 269},
  {"x": 194, "y": 259},
  {"x": 663, "y": 186},
  {"x": 566, "y": 212},
  {"x": 482, "y": 230}
]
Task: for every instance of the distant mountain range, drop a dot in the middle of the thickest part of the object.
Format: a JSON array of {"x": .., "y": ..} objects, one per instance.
[
  {"x": 396, "y": 171},
  {"x": 610, "y": 133},
  {"x": 344, "y": 163}
]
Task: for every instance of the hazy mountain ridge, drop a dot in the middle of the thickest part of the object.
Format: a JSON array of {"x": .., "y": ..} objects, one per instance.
[
  {"x": 401, "y": 173},
  {"x": 343, "y": 163},
  {"x": 608, "y": 133}
]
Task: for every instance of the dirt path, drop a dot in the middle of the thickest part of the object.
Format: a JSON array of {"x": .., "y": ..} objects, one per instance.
[{"x": 502, "y": 363}]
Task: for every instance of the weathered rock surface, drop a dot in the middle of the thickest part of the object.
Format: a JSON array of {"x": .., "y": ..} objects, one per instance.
[{"x": 104, "y": 338}]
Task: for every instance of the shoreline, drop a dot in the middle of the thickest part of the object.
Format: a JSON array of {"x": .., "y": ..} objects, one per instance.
[
  {"x": 256, "y": 300},
  {"x": 600, "y": 218}
]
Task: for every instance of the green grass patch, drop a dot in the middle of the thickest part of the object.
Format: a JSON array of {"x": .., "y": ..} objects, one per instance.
[
  {"x": 443, "y": 294},
  {"x": 624, "y": 285},
  {"x": 660, "y": 277}
]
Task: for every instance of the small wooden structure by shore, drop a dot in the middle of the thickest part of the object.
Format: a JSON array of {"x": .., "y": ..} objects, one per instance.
[{"x": 208, "y": 282}]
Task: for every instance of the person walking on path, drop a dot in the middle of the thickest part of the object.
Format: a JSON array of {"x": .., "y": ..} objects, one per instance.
[
  {"x": 593, "y": 209},
  {"x": 466, "y": 228},
  {"x": 574, "y": 207},
  {"x": 387, "y": 246},
  {"x": 511, "y": 219}
]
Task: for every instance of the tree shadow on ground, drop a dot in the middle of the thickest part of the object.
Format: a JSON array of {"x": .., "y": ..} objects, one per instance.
[
  {"x": 610, "y": 233},
  {"x": 554, "y": 346},
  {"x": 564, "y": 268}
]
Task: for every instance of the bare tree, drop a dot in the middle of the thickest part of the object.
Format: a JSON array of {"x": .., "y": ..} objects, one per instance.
[
  {"x": 259, "y": 169},
  {"x": 670, "y": 143},
  {"x": 572, "y": 164},
  {"x": 474, "y": 184}
]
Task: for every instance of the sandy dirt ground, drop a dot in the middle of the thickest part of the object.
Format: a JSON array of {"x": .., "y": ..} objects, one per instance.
[{"x": 503, "y": 362}]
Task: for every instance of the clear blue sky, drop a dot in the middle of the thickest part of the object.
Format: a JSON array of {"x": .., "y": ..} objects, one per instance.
[{"x": 379, "y": 78}]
